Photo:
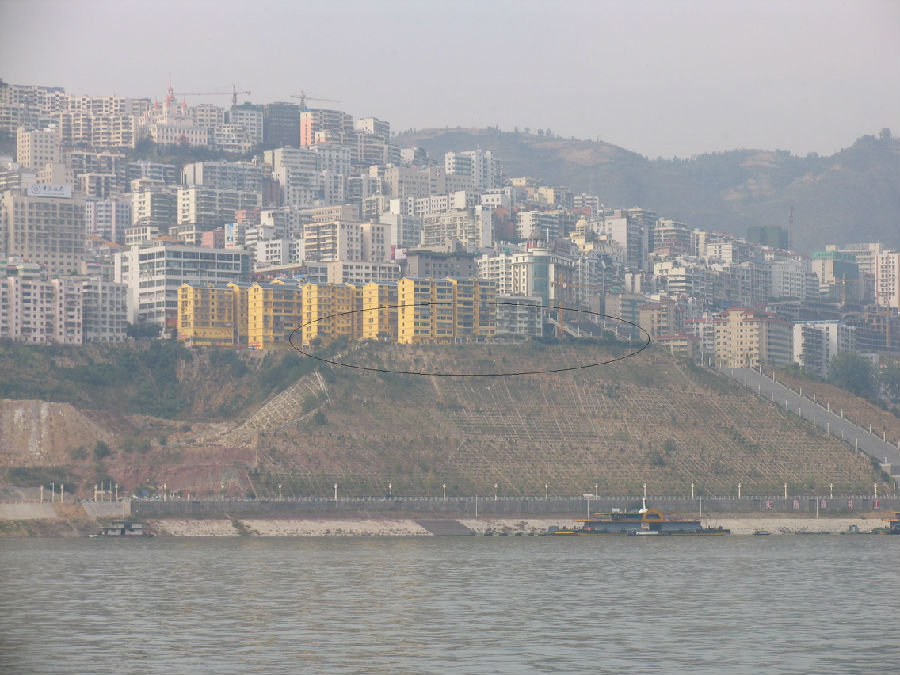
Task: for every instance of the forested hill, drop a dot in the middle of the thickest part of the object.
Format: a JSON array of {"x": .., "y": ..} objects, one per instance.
[{"x": 851, "y": 196}]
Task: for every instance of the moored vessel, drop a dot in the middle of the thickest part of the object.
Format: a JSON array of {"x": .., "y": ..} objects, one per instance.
[{"x": 643, "y": 522}]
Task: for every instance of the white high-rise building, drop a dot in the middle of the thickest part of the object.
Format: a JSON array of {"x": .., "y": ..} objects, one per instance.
[
  {"x": 887, "y": 279},
  {"x": 477, "y": 165},
  {"x": 154, "y": 274},
  {"x": 244, "y": 176},
  {"x": 43, "y": 224},
  {"x": 107, "y": 218},
  {"x": 35, "y": 149}
]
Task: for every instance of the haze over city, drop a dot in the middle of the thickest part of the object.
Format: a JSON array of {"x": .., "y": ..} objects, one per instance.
[{"x": 661, "y": 79}]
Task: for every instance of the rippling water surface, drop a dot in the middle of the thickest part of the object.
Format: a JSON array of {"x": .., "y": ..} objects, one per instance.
[{"x": 450, "y": 605}]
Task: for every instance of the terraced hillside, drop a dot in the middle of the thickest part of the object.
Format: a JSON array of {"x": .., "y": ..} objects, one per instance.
[{"x": 649, "y": 418}]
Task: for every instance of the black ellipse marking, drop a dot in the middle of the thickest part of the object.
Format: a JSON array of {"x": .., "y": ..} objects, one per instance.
[{"x": 426, "y": 374}]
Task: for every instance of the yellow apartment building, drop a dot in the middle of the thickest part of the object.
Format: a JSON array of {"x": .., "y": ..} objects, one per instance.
[
  {"x": 475, "y": 309},
  {"x": 379, "y": 316},
  {"x": 331, "y": 311},
  {"x": 274, "y": 311},
  {"x": 211, "y": 315},
  {"x": 445, "y": 311}
]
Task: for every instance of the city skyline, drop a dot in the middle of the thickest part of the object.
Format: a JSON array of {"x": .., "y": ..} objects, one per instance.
[{"x": 658, "y": 79}]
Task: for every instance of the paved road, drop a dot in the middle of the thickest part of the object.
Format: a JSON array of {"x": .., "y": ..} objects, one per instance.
[{"x": 832, "y": 422}]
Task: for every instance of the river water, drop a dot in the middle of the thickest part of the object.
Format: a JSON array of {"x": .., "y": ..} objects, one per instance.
[{"x": 451, "y": 605}]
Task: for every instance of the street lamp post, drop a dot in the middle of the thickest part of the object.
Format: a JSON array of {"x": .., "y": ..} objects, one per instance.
[
  {"x": 390, "y": 490},
  {"x": 335, "y": 492},
  {"x": 785, "y": 490},
  {"x": 546, "y": 491},
  {"x": 222, "y": 491},
  {"x": 692, "y": 490},
  {"x": 444, "y": 488},
  {"x": 280, "y": 494},
  {"x": 739, "y": 490},
  {"x": 496, "y": 487}
]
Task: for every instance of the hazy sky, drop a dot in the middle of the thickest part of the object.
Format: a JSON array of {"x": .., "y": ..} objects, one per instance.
[{"x": 657, "y": 77}]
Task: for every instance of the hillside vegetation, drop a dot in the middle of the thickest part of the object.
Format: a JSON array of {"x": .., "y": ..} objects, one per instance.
[
  {"x": 650, "y": 418},
  {"x": 850, "y": 196}
]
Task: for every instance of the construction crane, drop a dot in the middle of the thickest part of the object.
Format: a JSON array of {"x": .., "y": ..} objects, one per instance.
[
  {"x": 234, "y": 93},
  {"x": 304, "y": 98}
]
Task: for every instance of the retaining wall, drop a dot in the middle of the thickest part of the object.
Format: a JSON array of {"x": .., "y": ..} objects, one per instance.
[{"x": 505, "y": 506}]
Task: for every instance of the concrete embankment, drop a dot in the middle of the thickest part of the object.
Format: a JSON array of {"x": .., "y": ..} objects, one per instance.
[
  {"x": 505, "y": 507},
  {"x": 481, "y": 526}
]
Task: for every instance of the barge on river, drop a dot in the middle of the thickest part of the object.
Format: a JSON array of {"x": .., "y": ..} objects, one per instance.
[{"x": 650, "y": 522}]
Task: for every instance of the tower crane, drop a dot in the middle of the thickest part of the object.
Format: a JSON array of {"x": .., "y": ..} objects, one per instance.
[
  {"x": 234, "y": 93},
  {"x": 303, "y": 99}
]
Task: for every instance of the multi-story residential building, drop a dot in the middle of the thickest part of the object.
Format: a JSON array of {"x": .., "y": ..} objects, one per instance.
[
  {"x": 546, "y": 226},
  {"x": 107, "y": 218},
  {"x": 445, "y": 311},
  {"x": 332, "y": 241},
  {"x": 251, "y": 118},
  {"x": 404, "y": 232},
  {"x": 629, "y": 233},
  {"x": 143, "y": 234},
  {"x": 686, "y": 279},
  {"x": 207, "y": 115},
  {"x": 375, "y": 244},
  {"x": 209, "y": 315},
  {"x": 838, "y": 275},
  {"x": 43, "y": 224},
  {"x": 479, "y": 166},
  {"x": 314, "y": 121},
  {"x": 68, "y": 311},
  {"x": 379, "y": 310},
  {"x": 536, "y": 272},
  {"x": 330, "y": 311},
  {"x": 660, "y": 318},
  {"x": 37, "y": 148},
  {"x": 402, "y": 182},
  {"x": 372, "y": 126},
  {"x": 40, "y": 312},
  {"x": 816, "y": 343},
  {"x": 235, "y": 176},
  {"x": 360, "y": 272},
  {"x": 281, "y": 124},
  {"x": 788, "y": 277},
  {"x": 154, "y": 171},
  {"x": 105, "y": 310},
  {"x": 746, "y": 338},
  {"x": 424, "y": 264},
  {"x": 274, "y": 312},
  {"x": 471, "y": 227},
  {"x": 29, "y": 309},
  {"x": 627, "y": 307},
  {"x": 671, "y": 238},
  {"x": 154, "y": 274},
  {"x": 156, "y": 208},
  {"x": 887, "y": 279},
  {"x": 280, "y": 251},
  {"x": 208, "y": 207},
  {"x": 519, "y": 315},
  {"x": 425, "y": 313}
]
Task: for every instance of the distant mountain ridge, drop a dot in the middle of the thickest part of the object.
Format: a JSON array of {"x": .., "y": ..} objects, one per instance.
[{"x": 851, "y": 196}]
